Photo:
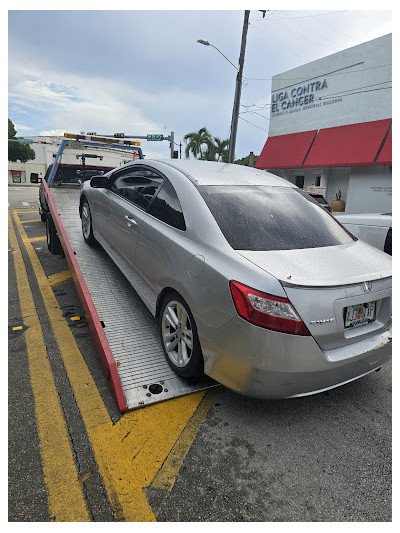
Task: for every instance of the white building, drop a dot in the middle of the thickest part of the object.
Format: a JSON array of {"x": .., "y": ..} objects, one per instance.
[
  {"x": 46, "y": 149},
  {"x": 331, "y": 126}
]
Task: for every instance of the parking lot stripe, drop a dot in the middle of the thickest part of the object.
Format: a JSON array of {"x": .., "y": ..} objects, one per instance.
[
  {"x": 36, "y": 239},
  {"x": 65, "y": 496},
  {"x": 59, "y": 277},
  {"x": 125, "y": 493},
  {"x": 131, "y": 452},
  {"x": 29, "y": 221}
]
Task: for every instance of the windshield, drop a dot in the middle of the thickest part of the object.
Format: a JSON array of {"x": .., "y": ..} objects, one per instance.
[{"x": 272, "y": 218}]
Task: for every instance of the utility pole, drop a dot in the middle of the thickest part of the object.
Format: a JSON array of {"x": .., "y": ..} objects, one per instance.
[
  {"x": 171, "y": 139},
  {"x": 238, "y": 90}
]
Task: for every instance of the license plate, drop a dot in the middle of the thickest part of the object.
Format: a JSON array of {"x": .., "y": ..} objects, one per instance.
[{"x": 360, "y": 314}]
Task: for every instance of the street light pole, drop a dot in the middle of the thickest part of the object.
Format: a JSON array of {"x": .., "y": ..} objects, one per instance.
[{"x": 238, "y": 90}]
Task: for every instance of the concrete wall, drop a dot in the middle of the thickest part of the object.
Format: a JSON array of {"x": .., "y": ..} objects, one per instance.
[
  {"x": 348, "y": 87},
  {"x": 370, "y": 190}
]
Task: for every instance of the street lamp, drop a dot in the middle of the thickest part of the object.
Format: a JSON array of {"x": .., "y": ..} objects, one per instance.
[
  {"x": 238, "y": 90},
  {"x": 206, "y": 43}
]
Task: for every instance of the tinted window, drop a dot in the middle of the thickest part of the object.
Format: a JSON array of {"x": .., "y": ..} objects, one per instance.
[
  {"x": 137, "y": 185},
  {"x": 272, "y": 218},
  {"x": 166, "y": 207},
  {"x": 319, "y": 198}
]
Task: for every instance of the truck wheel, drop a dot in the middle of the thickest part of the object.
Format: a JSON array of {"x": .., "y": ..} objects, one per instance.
[
  {"x": 53, "y": 242},
  {"x": 87, "y": 226},
  {"x": 179, "y": 337}
]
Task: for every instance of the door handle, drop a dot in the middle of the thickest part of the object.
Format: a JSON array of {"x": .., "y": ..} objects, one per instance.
[{"x": 130, "y": 220}]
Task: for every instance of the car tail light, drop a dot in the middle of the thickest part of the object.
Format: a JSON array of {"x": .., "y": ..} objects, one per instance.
[{"x": 266, "y": 310}]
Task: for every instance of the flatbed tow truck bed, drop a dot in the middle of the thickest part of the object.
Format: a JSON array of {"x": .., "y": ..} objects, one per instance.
[{"x": 124, "y": 331}]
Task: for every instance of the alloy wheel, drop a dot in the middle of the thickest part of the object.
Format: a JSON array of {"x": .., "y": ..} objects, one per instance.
[{"x": 177, "y": 334}]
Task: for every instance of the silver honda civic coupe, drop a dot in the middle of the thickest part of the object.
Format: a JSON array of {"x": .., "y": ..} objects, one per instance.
[{"x": 253, "y": 283}]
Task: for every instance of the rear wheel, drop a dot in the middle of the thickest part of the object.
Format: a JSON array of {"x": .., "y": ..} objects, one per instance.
[
  {"x": 53, "y": 242},
  {"x": 179, "y": 337},
  {"x": 87, "y": 226}
]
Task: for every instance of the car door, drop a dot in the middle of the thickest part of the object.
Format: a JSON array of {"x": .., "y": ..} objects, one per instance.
[
  {"x": 159, "y": 250},
  {"x": 120, "y": 212}
]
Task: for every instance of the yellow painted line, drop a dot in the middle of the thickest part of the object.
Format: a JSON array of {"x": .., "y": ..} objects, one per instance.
[
  {"x": 29, "y": 221},
  {"x": 20, "y": 211},
  {"x": 130, "y": 453},
  {"x": 65, "y": 496},
  {"x": 59, "y": 277},
  {"x": 165, "y": 477},
  {"x": 36, "y": 239}
]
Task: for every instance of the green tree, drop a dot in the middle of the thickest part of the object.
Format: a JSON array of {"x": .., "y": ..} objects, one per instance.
[
  {"x": 16, "y": 151},
  {"x": 198, "y": 143},
  {"x": 245, "y": 160},
  {"x": 222, "y": 149}
]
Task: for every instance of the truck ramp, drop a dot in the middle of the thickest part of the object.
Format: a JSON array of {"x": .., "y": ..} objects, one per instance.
[{"x": 125, "y": 332}]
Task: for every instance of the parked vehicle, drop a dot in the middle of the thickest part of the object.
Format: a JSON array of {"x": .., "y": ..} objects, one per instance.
[
  {"x": 321, "y": 200},
  {"x": 252, "y": 282},
  {"x": 373, "y": 228}
]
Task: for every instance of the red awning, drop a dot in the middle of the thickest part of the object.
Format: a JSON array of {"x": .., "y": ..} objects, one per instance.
[
  {"x": 348, "y": 146},
  {"x": 385, "y": 157},
  {"x": 286, "y": 151}
]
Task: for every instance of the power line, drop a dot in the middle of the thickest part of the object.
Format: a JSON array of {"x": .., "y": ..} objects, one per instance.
[
  {"x": 324, "y": 75},
  {"x": 253, "y": 124},
  {"x": 290, "y": 50},
  {"x": 306, "y": 37},
  {"x": 348, "y": 93},
  {"x": 303, "y": 16},
  {"x": 345, "y": 92}
]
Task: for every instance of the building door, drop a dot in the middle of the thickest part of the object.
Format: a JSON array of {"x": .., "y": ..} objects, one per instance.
[{"x": 300, "y": 182}]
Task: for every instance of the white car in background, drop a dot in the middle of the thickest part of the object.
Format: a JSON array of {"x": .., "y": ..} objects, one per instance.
[{"x": 372, "y": 228}]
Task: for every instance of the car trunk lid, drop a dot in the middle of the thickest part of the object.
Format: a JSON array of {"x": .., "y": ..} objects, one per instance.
[{"x": 333, "y": 285}]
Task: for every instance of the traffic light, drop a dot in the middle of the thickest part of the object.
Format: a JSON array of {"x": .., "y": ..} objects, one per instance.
[{"x": 175, "y": 156}]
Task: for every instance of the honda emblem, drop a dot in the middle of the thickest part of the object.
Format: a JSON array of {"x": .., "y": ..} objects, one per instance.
[{"x": 367, "y": 286}]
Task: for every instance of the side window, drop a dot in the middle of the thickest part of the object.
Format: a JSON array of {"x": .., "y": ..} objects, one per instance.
[
  {"x": 137, "y": 185},
  {"x": 166, "y": 207}
]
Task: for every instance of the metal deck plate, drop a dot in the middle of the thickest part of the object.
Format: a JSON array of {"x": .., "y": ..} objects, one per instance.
[{"x": 130, "y": 328}]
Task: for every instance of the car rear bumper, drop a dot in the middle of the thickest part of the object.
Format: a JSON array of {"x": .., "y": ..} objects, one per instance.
[{"x": 267, "y": 364}]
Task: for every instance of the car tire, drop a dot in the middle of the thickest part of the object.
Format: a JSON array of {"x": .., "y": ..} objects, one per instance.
[
  {"x": 53, "y": 242},
  {"x": 87, "y": 225},
  {"x": 388, "y": 242},
  {"x": 179, "y": 337}
]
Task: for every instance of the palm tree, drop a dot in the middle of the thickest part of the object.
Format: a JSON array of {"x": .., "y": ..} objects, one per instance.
[
  {"x": 195, "y": 142},
  {"x": 222, "y": 149}
]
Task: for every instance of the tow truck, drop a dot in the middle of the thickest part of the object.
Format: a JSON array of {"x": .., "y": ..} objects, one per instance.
[{"x": 124, "y": 332}]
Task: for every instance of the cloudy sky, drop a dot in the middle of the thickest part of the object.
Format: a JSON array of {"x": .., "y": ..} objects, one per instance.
[{"x": 143, "y": 72}]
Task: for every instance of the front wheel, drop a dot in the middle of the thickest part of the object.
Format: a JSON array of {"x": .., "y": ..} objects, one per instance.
[
  {"x": 87, "y": 226},
  {"x": 179, "y": 338}
]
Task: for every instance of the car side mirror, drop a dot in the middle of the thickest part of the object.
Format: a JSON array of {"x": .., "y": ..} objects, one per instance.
[{"x": 99, "y": 182}]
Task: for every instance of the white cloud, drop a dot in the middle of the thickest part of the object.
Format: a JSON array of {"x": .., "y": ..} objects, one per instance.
[
  {"x": 22, "y": 127},
  {"x": 53, "y": 133}
]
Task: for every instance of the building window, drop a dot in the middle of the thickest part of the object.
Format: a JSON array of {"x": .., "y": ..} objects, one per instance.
[
  {"x": 300, "y": 181},
  {"x": 16, "y": 176},
  {"x": 317, "y": 181}
]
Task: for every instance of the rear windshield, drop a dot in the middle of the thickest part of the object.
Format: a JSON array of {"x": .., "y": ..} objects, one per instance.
[{"x": 272, "y": 218}]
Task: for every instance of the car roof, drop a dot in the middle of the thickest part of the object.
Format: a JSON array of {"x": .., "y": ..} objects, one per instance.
[{"x": 213, "y": 173}]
